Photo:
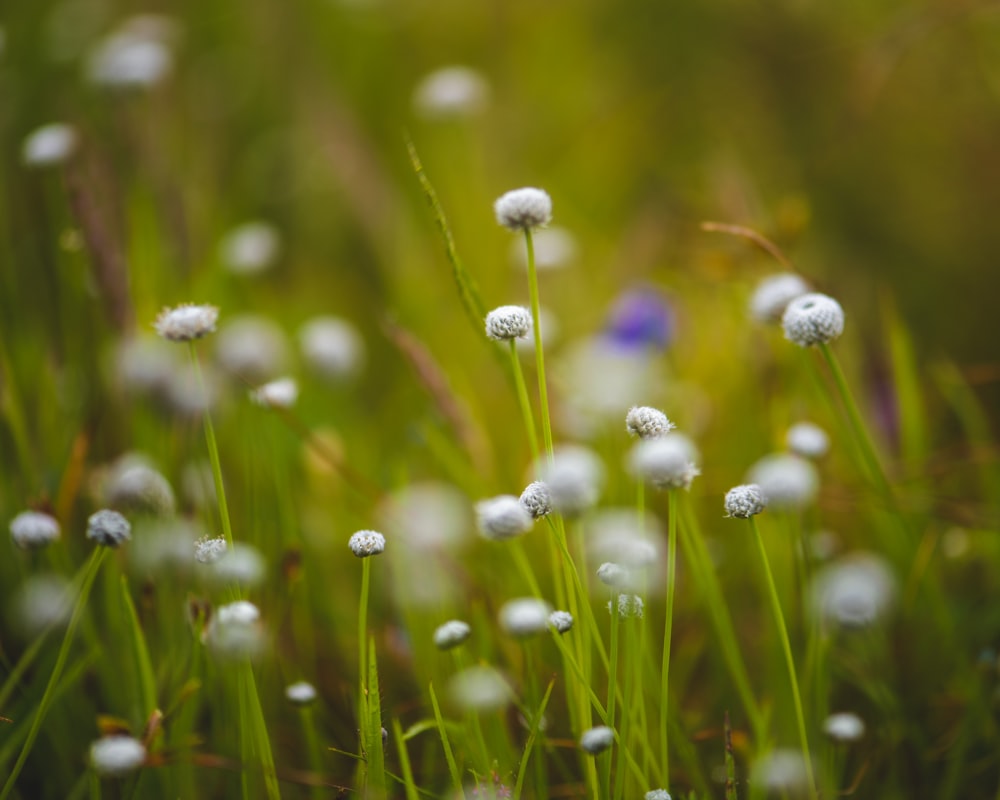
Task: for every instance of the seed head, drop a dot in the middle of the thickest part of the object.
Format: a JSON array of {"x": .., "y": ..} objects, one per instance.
[
  {"x": 108, "y": 528},
  {"x": 114, "y": 756},
  {"x": 537, "y": 499},
  {"x": 813, "y": 319},
  {"x": 134, "y": 485},
  {"x": 561, "y": 621},
  {"x": 647, "y": 423},
  {"x": 807, "y": 440},
  {"x": 525, "y": 616},
  {"x": 33, "y": 530},
  {"x": 366, "y": 543},
  {"x": 502, "y": 517},
  {"x": 597, "y": 740},
  {"x": 451, "y": 634},
  {"x": 774, "y": 293},
  {"x": 745, "y": 501},
  {"x": 844, "y": 727},
  {"x": 301, "y": 693},
  {"x": 657, "y": 794},
  {"x": 186, "y": 322},
  {"x": 508, "y": 322},
  {"x": 523, "y": 209}
]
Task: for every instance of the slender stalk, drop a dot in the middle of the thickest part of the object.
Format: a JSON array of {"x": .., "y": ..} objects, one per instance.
[
  {"x": 668, "y": 627},
  {"x": 523, "y": 399},
  {"x": 612, "y": 676},
  {"x": 543, "y": 392},
  {"x": 362, "y": 649},
  {"x": 786, "y": 646}
]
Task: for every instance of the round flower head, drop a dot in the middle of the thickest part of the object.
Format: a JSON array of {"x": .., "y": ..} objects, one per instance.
[
  {"x": 522, "y": 209},
  {"x": 252, "y": 347},
  {"x": 647, "y": 423},
  {"x": 508, "y": 322},
  {"x": 813, "y": 319},
  {"x": 49, "y": 145},
  {"x": 108, "y": 528},
  {"x": 658, "y": 794},
  {"x": 366, "y": 543},
  {"x": 479, "y": 689},
  {"x": 332, "y": 347},
  {"x": 502, "y": 517},
  {"x": 243, "y": 565},
  {"x": 451, "y": 92},
  {"x": 745, "y": 501},
  {"x": 33, "y": 530},
  {"x": 133, "y": 485},
  {"x": 854, "y": 592},
  {"x": 561, "y": 621},
  {"x": 807, "y": 440},
  {"x": 186, "y": 322},
  {"x": 774, "y": 293},
  {"x": 787, "y": 481},
  {"x": 629, "y": 605},
  {"x": 250, "y": 248},
  {"x": 208, "y": 551},
  {"x": 597, "y": 740},
  {"x": 451, "y": 634},
  {"x": 575, "y": 477},
  {"x": 301, "y": 693},
  {"x": 844, "y": 727},
  {"x": 781, "y": 773},
  {"x": 136, "y": 55},
  {"x": 525, "y": 616},
  {"x": 41, "y": 602},
  {"x": 615, "y": 575},
  {"x": 114, "y": 756},
  {"x": 241, "y": 612},
  {"x": 281, "y": 393},
  {"x": 235, "y": 631},
  {"x": 664, "y": 462},
  {"x": 537, "y": 499}
]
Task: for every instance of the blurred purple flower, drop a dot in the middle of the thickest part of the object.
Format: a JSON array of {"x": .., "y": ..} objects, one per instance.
[{"x": 640, "y": 318}]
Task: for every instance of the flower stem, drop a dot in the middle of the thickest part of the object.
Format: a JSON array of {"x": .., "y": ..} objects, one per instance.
[
  {"x": 522, "y": 397},
  {"x": 362, "y": 649},
  {"x": 668, "y": 626},
  {"x": 543, "y": 392}
]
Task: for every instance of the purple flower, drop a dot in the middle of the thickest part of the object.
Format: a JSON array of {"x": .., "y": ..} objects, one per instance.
[{"x": 640, "y": 318}]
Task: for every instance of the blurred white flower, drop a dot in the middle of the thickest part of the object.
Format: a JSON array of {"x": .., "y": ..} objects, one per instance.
[
  {"x": 332, "y": 347},
  {"x": 118, "y": 755},
  {"x": 49, "y": 145},
  {"x": 525, "y": 616},
  {"x": 855, "y": 591},
  {"x": 252, "y": 347},
  {"x": 774, "y": 293},
  {"x": 523, "y": 209},
  {"x": 279, "y": 393},
  {"x": 788, "y": 481},
  {"x": 479, "y": 689},
  {"x": 250, "y": 248},
  {"x": 451, "y": 92}
]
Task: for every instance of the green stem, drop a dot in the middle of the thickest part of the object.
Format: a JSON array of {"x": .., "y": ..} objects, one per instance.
[
  {"x": 668, "y": 626},
  {"x": 543, "y": 392},
  {"x": 525, "y": 402},
  {"x": 362, "y": 639},
  {"x": 786, "y": 647},
  {"x": 613, "y": 675}
]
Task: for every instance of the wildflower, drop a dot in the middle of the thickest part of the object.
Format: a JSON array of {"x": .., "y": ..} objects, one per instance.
[
  {"x": 597, "y": 740},
  {"x": 807, "y": 440},
  {"x": 135, "y": 56},
  {"x": 774, "y": 293},
  {"x": 301, "y": 693},
  {"x": 41, "y": 602},
  {"x": 502, "y": 517},
  {"x": 523, "y": 209},
  {"x": 554, "y": 248},
  {"x": 561, "y": 621},
  {"x": 250, "y": 248},
  {"x": 781, "y": 773},
  {"x": 208, "y": 551},
  {"x": 537, "y": 499},
  {"x": 114, "y": 756},
  {"x": 108, "y": 528},
  {"x": 451, "y": 92},
  {"x": 813, "y": 319},
  {"x": 787, "y": 481},
  {"x": 647, "y": 423},
  {"x": 332, "y": 347},
  {"x": 664, "y": 462},
  {"x": 844, "y": 727},
  {"x": 575, "y": 477},
  {"x": 622, "y": 536},
  {"x": 615, "y": 575},
  {"x": 854, "y": 592},
  {"x": 479, "y": 689},
  {"x": 745, "y": 501},
  {"x": 241, "y": 612},
  {"x": 235, "y": 630},
  {"x": 146, "y": 364},
  {"x": 426, "y": 515},
  {"x": 33, "y": 530},
  {"x": 252, "y": 347},
  {"x": 49, "y": 145},
  {"x": 629, "y": 605},
  {"x": 639, "y": 320},
  {"x": 134, "y": 485},
  {"x": 508, "y": 322},
  {"x": 280, "y": 393},
  {"x": 242, "y": 565},
  {"x": 366, "y": 543},
  {"x": 657, "y": 794},
  {"x": 525, "y": 616},
  {"x": 451, "y": 634},
  {"x": 186, "y": 322}
]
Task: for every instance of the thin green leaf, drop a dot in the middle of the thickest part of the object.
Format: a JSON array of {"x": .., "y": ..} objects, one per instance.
[{"x": 449, "y": 757}]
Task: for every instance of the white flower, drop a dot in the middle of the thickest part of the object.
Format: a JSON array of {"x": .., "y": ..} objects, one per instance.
[
  {"x": 235, "y": 631},
  {"x": 135, "y": 56},
  {"x": 844, "y": 727},
  {"x": 657, "y": 794},
  {"x": 186, "y": 322},
  {"x": 615, "y": 575},
  {"x": 252, "y": 347},
  {"x": 629, "y": 605},
  {"x": 597, "y": 740},
  {"x": 240, "y": 612},
  {"x": 508, "y": 322},
  {"x": 479, "y": 689},
  {"x": 451, "y": 634},
  {"x": 554, "y": 247},
  {"x": 665, "y": 462},
  {"x": 251, "y": 248},
  {"x": 332, "y": 347},
  {"x": 502, "y": 517},
  {"x": 575, "y": 477},
  {"x": 42, "y": 601},
  {"x": 781, "y": 773},
  {"x": 132, "y": 484},
  {"x": 813, "y": 319},
  {"x": 242, "y": 565},
  {"x": 33, "y": 530},
  {"x": 854, "y": 592},
  {"x": 774, "y": 293},
  {"x": 624, "y": 537},
  {"x": 787, "y": 481},
  {"x": 49, "y": 145},
  {"x": 807, "y": 440},
  {"x": 537, "y": 499},
  {"x": 561, "y": 621},
  {"x": 366, "y": 543},
  {"x": 745, "y": 501},
  {"x": 301, "y": 693},
  {"x": 426, "y": 516},
  {"x": 647, "y": 423},
  {"x": 451, "y": 92},
  {"x": 108, "y": 528},
  {"x": 525, "y": 616},
  {"x": 280, "y": 393},
  {"x": 115, "y": 756},
  {"x": 522, "y": 209},
  {"x": 208, "y": 551}
]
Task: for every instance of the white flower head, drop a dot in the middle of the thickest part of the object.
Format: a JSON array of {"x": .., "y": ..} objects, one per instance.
[
  {"x": 241, "y": 565},
  {"x": 366, "y": 543},
  {"x": 130, "y": 58},
  {"x": 844, "y": 726},
  {"x": 614, "y": 575},
  {"x": 252, "y": 347},
  {"x": 426, "y": 516},
  {"x": 42, "y": 601},
  {"x": 133, "y": 484},
  {"x": 108, "y": 528},
  {"x": 561, "y": 621},
  {"x": 622, "y": 536},
  {"x": 301, "y": 693},
  {"x": 525, "y": 616},
  {"x": 479, "y": 689},
  {"x": 781, "y": 773},
  {"x": 502, "y": 517},
  {"x": 813, "y": 319},
  {"x": 788, "y": 481},
  {"x": 657, "y": 794},
  {"x": 774, "y": 293},
  {"x": 537, "y": 499},
  {"x": 508, "y": 322},
  {"x": 332, "y": 347},
  {"x": 279, "y": 393},
  {"x": 597, "y": 740},
  {"x": 209, "y": 550},
  {"x": 451, "y": 92},
  {"x": 647, "y": 423},
  {"x": 115, "y": 756},
  {"x": 523, "y": 209},
  {"x": 807, "y": 440},
  {"x": 235, "y": 631},
  {"x": 451, "y": 634},
  {"x": 186, "y": 322},
  {"x": 856, "y": 591},
  {"x": 251, "y": 248},
  {"x": 629, "y": 605},
  {"x": 664, "y": 462},
  {"x": 743, "y": 502},
  {"x": 575, "y": 477},
  {"x": 49, "y": 145},
  {"x": 33, "y": 530}
]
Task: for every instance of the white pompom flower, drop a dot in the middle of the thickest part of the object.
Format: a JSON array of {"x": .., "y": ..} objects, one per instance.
[
  {"x": 597, "y": 740},
  {"x": 209, "y": 550},
  {"x": 813, "y": 319},
  {"x": 508, "y": 322},
  {"x": 743, "y": 502},
  {"x": 657, "y": 794},
  {"x": 844, "y": 726},
  {"x": 774, "y": 293},
  {"x": 561, "y": 621},
  {"x": 523, "y": 209},
  {"x": 807, "y": 440},
  {"x": 366, "y": 543},
  {"x": 647, "y": 423},
  {"x": 49, "y": 145},
  {"x": 279, "y": 393},
  {"x": 33, "y": 530},
  {"x": 537, "y": 499},
  {"x": 502, "y": 517},
  {"x": 301, "y": 693},
  {"x": 250, "y": 248},
  {"x": 664, "y": 462},
  {"x": 108, "y": 528},
  {"x": 115, "y": 756},
  {"x": 451, "y": 92},
  {"x": 525, "y": 616},
  {"x": 451, "y": 634},
  {"x": 788, "y": 481},
  {"x": 186, "y": 322}
]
